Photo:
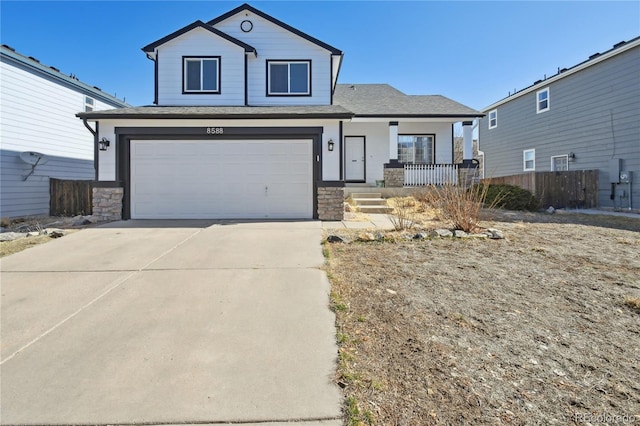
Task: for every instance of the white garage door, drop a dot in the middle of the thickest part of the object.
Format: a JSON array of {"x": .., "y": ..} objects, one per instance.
[{"x": 204, "y": 179}]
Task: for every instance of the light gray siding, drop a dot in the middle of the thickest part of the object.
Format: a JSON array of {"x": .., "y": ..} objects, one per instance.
[
  {"x": 37, "y": 113},
  {"x": 594, "y": 113}
]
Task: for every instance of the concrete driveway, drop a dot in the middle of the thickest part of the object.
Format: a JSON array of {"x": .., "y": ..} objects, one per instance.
[{"x": 169, "y": 322}]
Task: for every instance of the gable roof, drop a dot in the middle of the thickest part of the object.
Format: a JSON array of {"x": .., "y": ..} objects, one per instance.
[
  {"x": 596, "y": 58},
  {"x": 198, "y": 24},
  {"x": 7, "y": 53},
  {"x": 383, "y": 100},
  {"x": 273, "y": 20}
]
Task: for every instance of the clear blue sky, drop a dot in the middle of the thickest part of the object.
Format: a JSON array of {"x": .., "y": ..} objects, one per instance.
[{"x": 473, "y": 52}]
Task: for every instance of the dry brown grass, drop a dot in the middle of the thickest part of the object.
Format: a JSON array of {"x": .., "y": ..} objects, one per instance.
[
  {"x": 632, "y": 302},
  {"x": 525, "y": 330},
  {"x": 11, "y": 247}
]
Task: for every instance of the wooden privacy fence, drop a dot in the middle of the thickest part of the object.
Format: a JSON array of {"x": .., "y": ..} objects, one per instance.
[
  {"x": 570, "y": 189},
  {"x": 70, "y": 197}
]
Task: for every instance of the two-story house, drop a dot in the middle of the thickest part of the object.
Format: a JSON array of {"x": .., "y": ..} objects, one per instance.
[
  {"x": 40, "y": 136},
  {"x": 586, "y": 117},
  {"x": 249, "y": 121}
]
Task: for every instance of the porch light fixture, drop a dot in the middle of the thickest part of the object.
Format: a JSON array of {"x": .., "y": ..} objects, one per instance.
[
  {"x": 572, "y": 156},
  {"x": 331, "y": 144},
  {"x": 104, "y": 144}
]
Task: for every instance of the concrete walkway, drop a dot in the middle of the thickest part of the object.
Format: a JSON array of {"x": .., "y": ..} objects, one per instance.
[
  {"x": 176, "y": 322},
  {"x": 376, "y": 220}
]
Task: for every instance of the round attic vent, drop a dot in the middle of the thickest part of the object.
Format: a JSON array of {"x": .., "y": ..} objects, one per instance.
[{"x": 246, "y": 25}]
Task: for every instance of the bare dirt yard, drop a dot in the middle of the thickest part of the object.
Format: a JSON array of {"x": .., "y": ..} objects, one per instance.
[{"x": 539, "y": 328}]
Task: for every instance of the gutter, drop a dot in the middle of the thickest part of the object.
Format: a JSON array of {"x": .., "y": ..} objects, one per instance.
[{"x": 95, "y": 145}]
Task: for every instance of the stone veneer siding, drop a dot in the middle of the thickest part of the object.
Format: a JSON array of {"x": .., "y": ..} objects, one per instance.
[
  {"x": 107, "y": 203},
  {"x": 331, "y": 203},
  {"x": 394, "y": 177}
]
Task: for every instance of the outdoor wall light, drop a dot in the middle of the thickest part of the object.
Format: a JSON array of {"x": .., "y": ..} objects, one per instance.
[
  {"x": 104, "y": 144},
  {"x": 331, "y": 144},
  {"x": 572, "y": 156}
]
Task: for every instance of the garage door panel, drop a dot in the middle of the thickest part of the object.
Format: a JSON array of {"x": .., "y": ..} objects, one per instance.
[{"x": 222, "y": 179}]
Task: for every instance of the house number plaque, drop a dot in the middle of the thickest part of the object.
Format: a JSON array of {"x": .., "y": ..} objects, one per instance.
[{"x": 215, "y": 130}]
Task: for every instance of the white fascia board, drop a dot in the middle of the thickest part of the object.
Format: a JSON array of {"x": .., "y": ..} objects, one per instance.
[{"x": 557, "y": 77}]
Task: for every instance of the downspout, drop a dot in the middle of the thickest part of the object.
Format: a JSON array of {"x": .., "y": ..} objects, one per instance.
[{"x": 95, "y": 145}]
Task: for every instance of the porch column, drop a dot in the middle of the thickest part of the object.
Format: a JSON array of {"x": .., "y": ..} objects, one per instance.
[
  {"x": 393, "y": 141},
  {"x": 467, "y": 134}
]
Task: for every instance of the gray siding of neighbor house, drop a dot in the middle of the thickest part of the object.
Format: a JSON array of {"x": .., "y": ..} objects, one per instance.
[
  {"x": 594, "y": 113},
  {"x": 19, "y": 197}
]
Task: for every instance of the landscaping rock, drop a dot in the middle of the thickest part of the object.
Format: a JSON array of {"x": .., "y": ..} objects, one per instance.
[
  {"x": 12, "y": 236},
  {"x": 33, "y": 234},
  {"x": 420, "y": 236},
  {"x": 367, "y": 236},
  {"x": 442, "y": 233},
  {"x": 54, "y": 232},
  {"x": 335, "y": 239},
  {"x": 495, "y": 234},
  {"x": 481, "y": 236},
  {"x": 460, "y": 234},
  {"x": 551, "y": 210},
  {"x": 348, "y": 208}
]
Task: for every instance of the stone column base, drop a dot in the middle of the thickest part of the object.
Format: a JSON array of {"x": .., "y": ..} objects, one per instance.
[
  {"x": 107, "y": 203},
  {"x": 393, "y": 176},
  {"x": 330, "y": 202}
]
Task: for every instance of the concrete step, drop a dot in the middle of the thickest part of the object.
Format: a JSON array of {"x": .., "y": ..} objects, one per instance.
[
  {"x": 366, "y": 195},
  {"x": 375, "y": 209},
  {"x": 369, "y": 202}
]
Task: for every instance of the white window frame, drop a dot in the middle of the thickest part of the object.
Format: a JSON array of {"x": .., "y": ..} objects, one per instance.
[
  {"x": 553, "y": 168},
  {"x": 524, "y": 160},
  {"x": 538, "y": 101},
  {"x": 307, "y": 62},
  {"x": 89, "y": 104},
  {"x": 201, "y": 59},
  {"x": 413, "y": 147},
  {"x": 495, "y": 119}
]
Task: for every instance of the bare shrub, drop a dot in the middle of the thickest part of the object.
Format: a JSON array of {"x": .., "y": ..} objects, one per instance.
[
  {"x": 457, "y": 204},
  {"x": 404, "y": 213}
]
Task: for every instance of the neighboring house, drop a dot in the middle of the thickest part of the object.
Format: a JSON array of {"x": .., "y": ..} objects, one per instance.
[
  {"x": 585, "y": 117},
  {"x": 37, "y": 114},
  {"x": 249, "y": 122}
]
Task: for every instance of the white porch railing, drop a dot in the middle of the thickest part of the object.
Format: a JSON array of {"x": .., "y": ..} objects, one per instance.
[{"x": 430, "y": 174}]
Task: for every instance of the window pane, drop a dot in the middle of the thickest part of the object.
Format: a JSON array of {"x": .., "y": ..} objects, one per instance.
[
  {"x": 542, "y": 95},
  {"x": 299, "y": 81},
  {"x": 88, "y": 100},
  {"x": 543, "y": 104},
  {"x": 278, "y": 78},
  {"x": 210, "y": 74},
  {"x": 424, "y": 149},
  {"x": 193, "y": 75},
  {"x": 405, "y": 149},
  {"x": 528, "y": 164}
]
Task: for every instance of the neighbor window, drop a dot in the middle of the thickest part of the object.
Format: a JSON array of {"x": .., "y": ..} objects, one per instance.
[
  {"x": 542, "y": 103},
  {"x": 560, "y": 163},
  {"x": 416, "y": 149},
  {"x": 529, "y": 159},
  {"x": 289, "y": 78},
  {"x": 493, "y": 119},
  {"x": 89, "y": 104},
  {"x": 201, "y": 74}
]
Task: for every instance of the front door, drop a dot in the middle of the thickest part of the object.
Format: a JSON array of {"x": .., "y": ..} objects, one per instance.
[{"x": 354, "y": 159}]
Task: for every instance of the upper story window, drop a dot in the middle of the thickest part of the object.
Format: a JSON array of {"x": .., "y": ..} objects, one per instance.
[
  {"x": 416, "y": 149},
  {"x": 529, "y": 160},
  {"x": 201, "y": 74},
  {"x": 493, "y": 119},
  {"x": 542, "y": 100},
  {"x": 288, "y": 78},
  {"x": 89, "y": 104}
]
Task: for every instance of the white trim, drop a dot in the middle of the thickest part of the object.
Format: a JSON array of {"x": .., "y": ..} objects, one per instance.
[
  {"x": 524, "y": 160},
  {"x": 89, "y": 106},
  {"x": 553, "y": 169},
  {"x": 495, "y": 118},
  {"x": 539, "y": 101},
  {"x": 575, "y": 69}
]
